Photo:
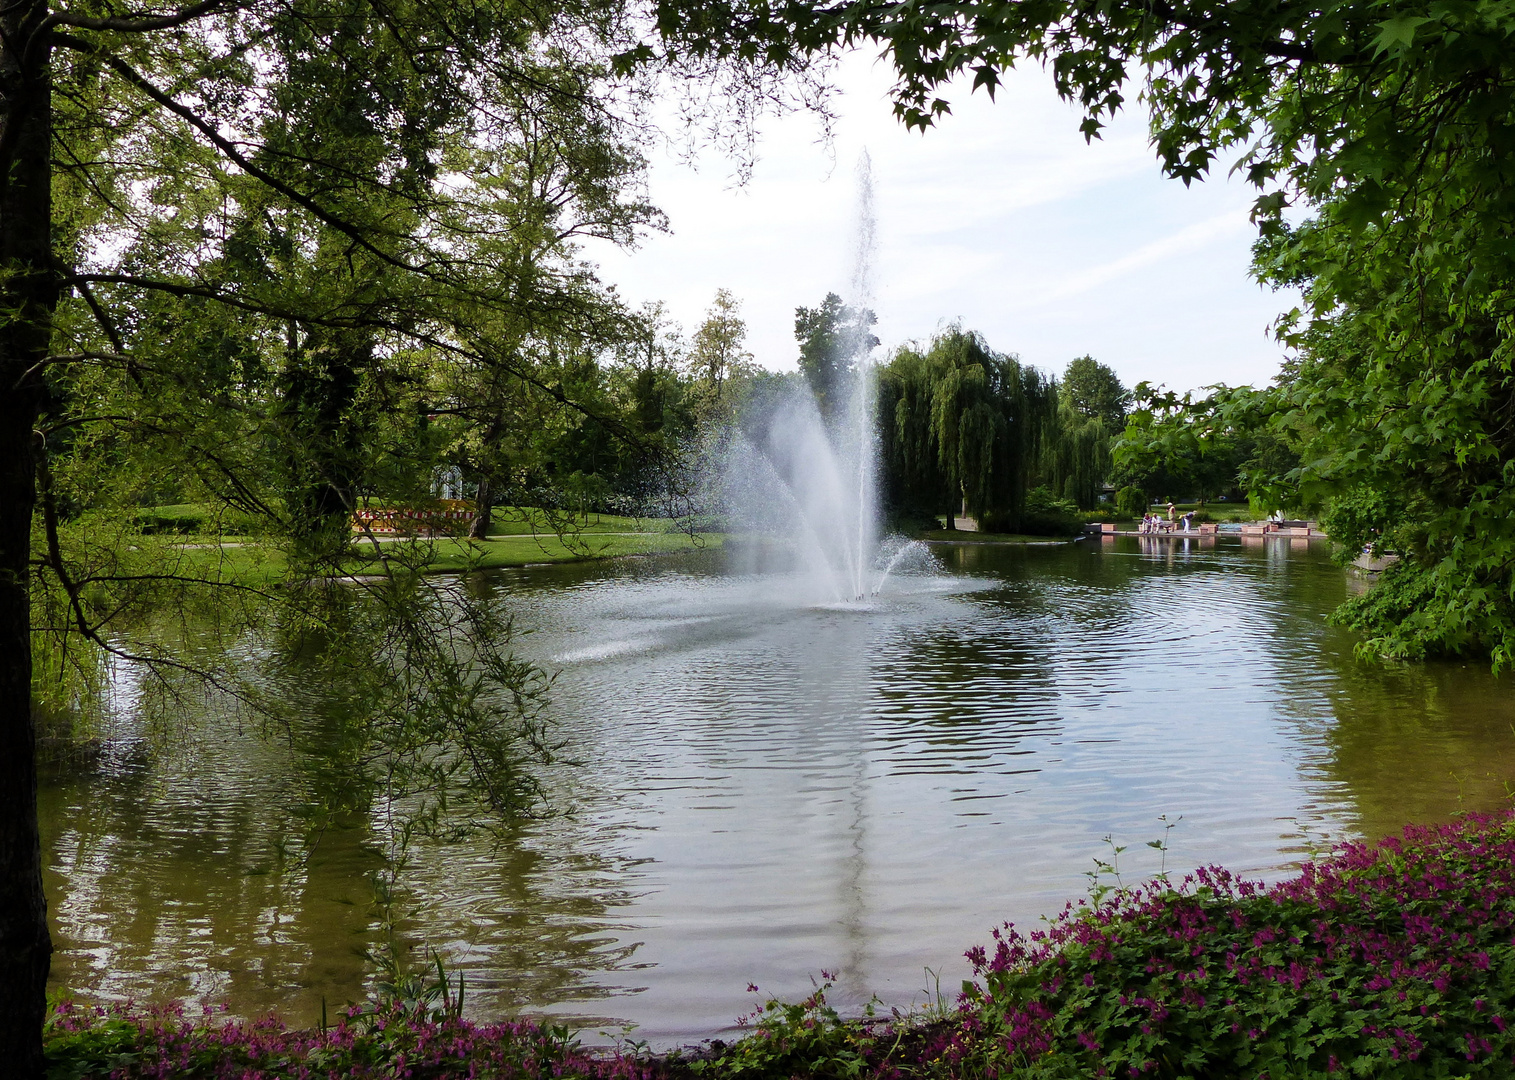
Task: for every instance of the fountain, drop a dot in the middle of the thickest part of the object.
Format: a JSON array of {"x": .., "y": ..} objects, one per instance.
[{"x": 813, "y": 479}]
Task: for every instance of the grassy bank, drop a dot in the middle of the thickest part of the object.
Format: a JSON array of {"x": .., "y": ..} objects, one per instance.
[
  {"x": 448, "y": 556},
  {"x": 1395, "y": 960},
  {"x": 520, "y": 537}
]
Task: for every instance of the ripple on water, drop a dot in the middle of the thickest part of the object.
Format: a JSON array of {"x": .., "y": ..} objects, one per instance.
[{"x": 771, "y": 787}]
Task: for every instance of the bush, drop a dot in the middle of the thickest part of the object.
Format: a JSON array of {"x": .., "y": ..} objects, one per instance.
[
  {"x": 176, "y": 524},
  {"x": 911, "y": 522},
  {"x": 808, "y": 1039},
  {"x": 1387, "y": 961},
  {"x": 1132, "y": 502},
  {"x": 1047, "y": 515}
]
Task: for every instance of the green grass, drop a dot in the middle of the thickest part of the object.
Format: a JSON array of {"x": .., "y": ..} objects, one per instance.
[
  {"x": 526, "y": 521},
  {"x": 259, "y": 565},
  {"x": 506, "y": 520},
  {"x": 239, "y": 562},
  {"x": 451, "y": 556},
  {"x": 519, "y": 536}
]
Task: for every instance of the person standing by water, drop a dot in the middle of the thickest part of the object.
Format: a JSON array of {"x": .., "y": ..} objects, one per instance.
[{"x": 1171, "y": 511}]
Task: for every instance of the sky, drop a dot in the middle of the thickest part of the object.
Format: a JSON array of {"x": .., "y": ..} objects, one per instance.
[{"x": 1001, "y": 217}]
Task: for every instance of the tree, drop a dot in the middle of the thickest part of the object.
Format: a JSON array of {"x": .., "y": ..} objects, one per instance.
[
  {"x": 1224, "y": 441},
  {"x": 1093, "y": 391},
  {"x": 1076, "y": 459},
  {"x": 1389, "y": 129},
  {"x": 1177, "y": 446},
  {"x": 1092, "y": 411},
  {"x": 961, "y": 427},
  {"x": 566, "y": 174},
  {"x": 716, "y": 351},
  {"x": 228, "y": 231},
  {"x": 834, "y": 339}
]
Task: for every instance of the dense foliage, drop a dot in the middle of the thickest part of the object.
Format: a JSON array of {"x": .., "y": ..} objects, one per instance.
[
  {"x": 1378, "y": 136},
  {"x": 964, "y": 428},
  {"x": 961, "y": 427},
  {"x": 834, "y": 339},
  {"x": 1392, "y": 960},
  {"x": 1204, "y": 446}
]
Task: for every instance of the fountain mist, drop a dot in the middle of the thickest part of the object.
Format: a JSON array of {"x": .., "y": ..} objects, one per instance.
[{"x": 812, "y": 477}]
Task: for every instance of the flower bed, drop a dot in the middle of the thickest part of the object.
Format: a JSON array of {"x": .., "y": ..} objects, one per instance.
[
  {"x": 1388, "y": 960},
  {"x": 391, "y": 1040},
  {"x": 1393, "y": 959}
]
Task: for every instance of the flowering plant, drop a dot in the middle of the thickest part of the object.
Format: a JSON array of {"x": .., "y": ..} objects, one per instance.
[{"x": 1394, "y": 960}]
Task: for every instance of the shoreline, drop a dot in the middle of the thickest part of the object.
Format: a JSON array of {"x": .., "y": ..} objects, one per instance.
[{"x": 1214, "y": 975}]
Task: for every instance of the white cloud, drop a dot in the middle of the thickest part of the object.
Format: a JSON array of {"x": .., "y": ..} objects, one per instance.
[
  {"x": 1189, "y": 240},
  {"x": 1002, "y": 217}
]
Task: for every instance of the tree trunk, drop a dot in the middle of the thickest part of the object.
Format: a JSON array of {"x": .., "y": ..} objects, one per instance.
[
  {"x": 25, "y": 947},
  {"x": 490, "y": 466},
  {"x": 28, "y": 294},
  {"x": 324, "y": 437},
  {"x": 482, "y": 518}
]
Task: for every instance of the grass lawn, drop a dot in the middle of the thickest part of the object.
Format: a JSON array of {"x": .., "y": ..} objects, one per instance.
[
  {"x": 449, "y": 555},
  {"x": 249, "y": 563},
  {"x": 518, "y": 536},
  {"x": 524, "y": 521}
]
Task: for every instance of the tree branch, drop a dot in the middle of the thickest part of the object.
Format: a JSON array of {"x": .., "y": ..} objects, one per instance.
[
  {"x": 230, "y": 149},
  {"x": 137, "y": 25}
]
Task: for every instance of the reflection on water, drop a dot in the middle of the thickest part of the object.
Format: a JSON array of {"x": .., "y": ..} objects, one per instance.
[{"x": 769, "y": 789}]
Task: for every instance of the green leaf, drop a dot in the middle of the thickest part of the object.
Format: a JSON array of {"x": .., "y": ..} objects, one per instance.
[{"x": 1397, "y": 34}]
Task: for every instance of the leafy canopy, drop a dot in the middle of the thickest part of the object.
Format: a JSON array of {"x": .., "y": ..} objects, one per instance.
[{"x": 1388, "y": 130}]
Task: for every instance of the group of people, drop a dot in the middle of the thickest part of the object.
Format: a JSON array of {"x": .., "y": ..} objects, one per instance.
[{"x": 1154, "y": 523}]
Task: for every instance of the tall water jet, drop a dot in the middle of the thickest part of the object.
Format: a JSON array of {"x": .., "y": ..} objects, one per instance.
[
  {"x": 860, "y": 355},
  {"x": 807, "y": 470}
]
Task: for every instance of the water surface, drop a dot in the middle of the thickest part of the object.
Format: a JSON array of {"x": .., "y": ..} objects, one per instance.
[{"x": 772, "y": 787}]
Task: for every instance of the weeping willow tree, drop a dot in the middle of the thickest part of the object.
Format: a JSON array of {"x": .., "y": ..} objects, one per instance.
[
  {"x": 1076, "y": 459},
  {"x": 962, "y": 428},
  {"x": 1092, "y": 407}
]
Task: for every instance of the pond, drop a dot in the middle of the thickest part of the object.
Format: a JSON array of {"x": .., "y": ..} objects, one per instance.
[{"x": 769, "y": 789}]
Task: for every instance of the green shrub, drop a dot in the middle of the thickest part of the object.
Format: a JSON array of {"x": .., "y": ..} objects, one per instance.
[
  {"x": 807, "y": 1039},
  {"x": 1048, "y": 515},
  {"x": 1132, "y": 502},
  {"x": 182, "y": 525}
]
